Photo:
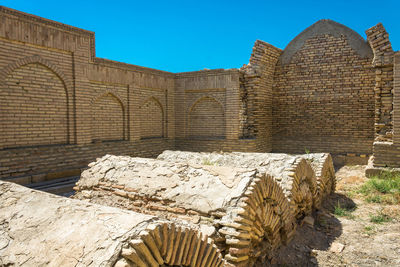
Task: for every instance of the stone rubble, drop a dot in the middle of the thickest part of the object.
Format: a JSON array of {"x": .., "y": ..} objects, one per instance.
[
  {"x": 248, "y": 203},
  {"x": 305, "y": 179},
  {"x": 40, "y": 229}
]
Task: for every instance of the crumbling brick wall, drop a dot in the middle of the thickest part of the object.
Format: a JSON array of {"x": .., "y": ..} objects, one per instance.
[
  {"x": 387, "y": 149},
  {"x": 378, "y": 39},
  {"x": 256, "y": 94}
]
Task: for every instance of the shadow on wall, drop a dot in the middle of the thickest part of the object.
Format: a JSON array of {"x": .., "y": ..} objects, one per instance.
[{"x": 320, "y": 236}]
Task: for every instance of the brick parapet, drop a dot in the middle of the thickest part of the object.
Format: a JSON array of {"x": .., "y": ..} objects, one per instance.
[{"x": 130, "y": 67}]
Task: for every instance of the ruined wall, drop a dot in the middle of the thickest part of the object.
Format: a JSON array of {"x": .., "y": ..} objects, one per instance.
[
  {"x": 387, "y": 152},
  {"x": 256, "y": 95},
  {"x": 383, "y": 63},
  {"x": 324, "y": 92},
  {"x": 61, "y": 107},
  {"x": 227, "y": 110}
]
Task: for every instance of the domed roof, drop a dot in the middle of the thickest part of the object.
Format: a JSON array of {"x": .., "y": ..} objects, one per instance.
[{"x": 326, "y": 26}]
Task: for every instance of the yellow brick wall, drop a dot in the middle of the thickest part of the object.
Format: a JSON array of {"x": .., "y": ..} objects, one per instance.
[
  {"x": 152, "y": 119},
  {"x": 34, "y": 109},
  {"x": 76, "y": 103},
  {"x": 323, "y": 99},
  {"x": 107, "y": 121},
  {"x": 206, "y": 119},
  {"x": 61, "y": 105}
]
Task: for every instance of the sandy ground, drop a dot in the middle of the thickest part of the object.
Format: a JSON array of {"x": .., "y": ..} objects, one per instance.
[{"x": 351, "y": 240}]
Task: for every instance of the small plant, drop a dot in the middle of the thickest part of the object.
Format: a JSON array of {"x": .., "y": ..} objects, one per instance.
[
  {"x": 383, "y": 188},
  {"x": 351, "y": 194},
  {"x": 369, "y": 230},
  {"x": 307, "y": 151},
  {"x": 380, "y": 218},
  {"x": 374, "y": 199},
  {"x": 207, "y": 162},
  {"x": 343, "y": 211}
]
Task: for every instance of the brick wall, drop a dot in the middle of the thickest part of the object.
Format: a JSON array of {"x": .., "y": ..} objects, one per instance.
[
  {"x": 256, "y": 95},
  {"x": 387, "y": 152},
  {"x": 61, "y": 106},
  {"x": 206, "y": 119},
  {"x": 207, "y": 108},
  {"x": 324, "y": 93},
  {"x": 108, "y": 119},
  {"x": 108, "y": 108},
  {"x": 378, "y": 39},
  {"x": 152, "y": 119},
  {"x": 34, "y": 108}
]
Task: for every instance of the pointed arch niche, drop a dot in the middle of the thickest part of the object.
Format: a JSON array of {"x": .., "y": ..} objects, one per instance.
[
  {"x": 206, "y": 119},
  {"x": 34, "y": 104},
  {"x": 152, "y": 119},
  {"x": 107, "y": 118}
]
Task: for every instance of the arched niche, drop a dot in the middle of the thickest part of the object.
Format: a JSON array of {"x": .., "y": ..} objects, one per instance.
[
  {"x": 152, "y": 119},
  {"x": 34, "y": 105},
  {"x": 207, "y": 119},
  {"x": 107, "y": 118}
]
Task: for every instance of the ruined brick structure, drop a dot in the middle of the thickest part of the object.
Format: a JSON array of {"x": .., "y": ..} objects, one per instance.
[{"x": 62, "y": 107}]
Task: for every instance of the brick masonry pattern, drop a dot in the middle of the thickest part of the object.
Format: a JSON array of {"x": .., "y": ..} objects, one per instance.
[{"x": 61, "y": 106}]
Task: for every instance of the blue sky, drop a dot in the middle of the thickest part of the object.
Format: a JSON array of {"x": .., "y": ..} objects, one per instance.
[{"x": 188, "y": 35}]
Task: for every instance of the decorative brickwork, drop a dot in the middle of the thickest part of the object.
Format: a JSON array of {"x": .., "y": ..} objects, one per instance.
[{"x": 207, "y": 110}]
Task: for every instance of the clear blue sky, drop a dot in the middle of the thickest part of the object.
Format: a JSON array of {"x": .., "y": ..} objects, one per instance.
[{"x": 188, "y": 35}]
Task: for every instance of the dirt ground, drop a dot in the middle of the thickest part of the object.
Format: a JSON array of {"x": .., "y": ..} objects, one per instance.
[{"x": 350, "y": 239}]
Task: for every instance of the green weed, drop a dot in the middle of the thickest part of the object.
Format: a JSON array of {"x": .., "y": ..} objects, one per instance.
[
  {"x": 379, "y": 218},
  {"x": 207, "y": 162},
  {"x": 383, "y": 188},
  {"x": 369, "y": 230},
  {"x": 343, "y": 211},
  {"x": 374, "y": 199}
]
